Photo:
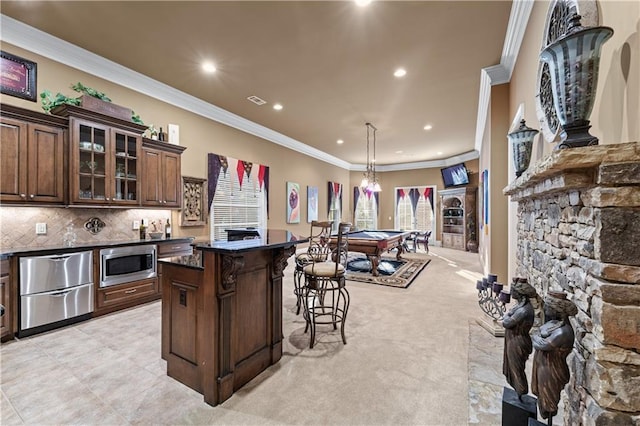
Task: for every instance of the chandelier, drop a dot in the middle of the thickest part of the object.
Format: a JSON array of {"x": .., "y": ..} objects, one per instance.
[{"x": 370, "y": 181}]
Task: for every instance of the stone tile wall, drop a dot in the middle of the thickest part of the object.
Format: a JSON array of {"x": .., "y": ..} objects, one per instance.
[
  {"x": 579, "y": 232},
  {"x": 18, "y": 224}
]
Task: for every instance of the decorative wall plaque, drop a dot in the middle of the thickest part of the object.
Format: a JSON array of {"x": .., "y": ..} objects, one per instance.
[
  {"x": 194, "y": 205},
  {"x": 94, "y": 225}
]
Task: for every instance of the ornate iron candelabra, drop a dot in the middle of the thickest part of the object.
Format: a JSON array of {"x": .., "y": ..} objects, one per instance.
[{"x": 493, "y": 301}]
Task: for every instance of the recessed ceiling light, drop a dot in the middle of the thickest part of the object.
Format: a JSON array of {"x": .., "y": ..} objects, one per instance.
[
  {"x": 209, "y": 67},
  {"x": 363, "y": 3},
  {"x": 400, "y": 72},
  {"x": 399, "y": 152},
  {"x": 277, "y": 107},
  {"x": 428, "y": 127},
  {"x": 339, "y": 141}
]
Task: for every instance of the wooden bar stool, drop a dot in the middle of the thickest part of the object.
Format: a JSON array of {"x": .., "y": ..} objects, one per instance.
[
  {"x": 318, "y": 251},
  {"x": 325, "y": 297}
]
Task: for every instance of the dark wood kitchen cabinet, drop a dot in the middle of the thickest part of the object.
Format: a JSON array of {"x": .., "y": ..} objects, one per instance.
[
  {"x": 161, "y": 181},
  {"x": 117, "y": 297},
  {"x": 32, "y": 152},
  {"x": 104, "y": 166},
  {"x": 6, "y": 321}
]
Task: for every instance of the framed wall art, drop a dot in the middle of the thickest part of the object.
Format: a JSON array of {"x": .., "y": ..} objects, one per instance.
[
  {"x": 194, "y": 202},
  {"x": 293, "y": 202},
  {"x": 18, "y": 77},
  {"x": 312, "y": 203}
]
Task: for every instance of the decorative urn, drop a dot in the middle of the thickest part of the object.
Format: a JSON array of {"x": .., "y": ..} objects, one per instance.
[{"x": 573, "y": 61}]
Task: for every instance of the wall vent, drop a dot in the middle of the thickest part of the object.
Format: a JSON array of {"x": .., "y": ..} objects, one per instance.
[{"x": 256, "y": 100}]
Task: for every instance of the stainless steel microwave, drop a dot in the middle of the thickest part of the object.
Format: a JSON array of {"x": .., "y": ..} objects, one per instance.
[{"x": 120, "y": 265}]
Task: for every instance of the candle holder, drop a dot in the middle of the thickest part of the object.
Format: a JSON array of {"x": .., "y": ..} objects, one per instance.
[{"x": 493, "y": 301}]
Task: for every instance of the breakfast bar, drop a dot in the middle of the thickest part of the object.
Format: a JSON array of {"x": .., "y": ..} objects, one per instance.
[{"x": 222, "y": 312}]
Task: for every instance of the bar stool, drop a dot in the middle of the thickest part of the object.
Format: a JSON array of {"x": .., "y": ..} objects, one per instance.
[
  {"x": 318, "y": 251},
  {"x": 326, "y": 299}
]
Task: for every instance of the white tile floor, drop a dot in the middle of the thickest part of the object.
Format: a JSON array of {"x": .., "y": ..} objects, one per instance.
[{"x": 414, "y": 356}]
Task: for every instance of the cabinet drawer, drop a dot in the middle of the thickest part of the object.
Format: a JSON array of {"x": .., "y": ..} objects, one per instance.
[
  {"x": 118, "y": 294},
  {"x": 175, "y": 249},
  {"x": 4, "y": 267},
  {"x": 458, "y": 242}
]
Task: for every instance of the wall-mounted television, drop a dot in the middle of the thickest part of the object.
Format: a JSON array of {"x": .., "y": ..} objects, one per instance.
[{"x": 455, "y": 175}]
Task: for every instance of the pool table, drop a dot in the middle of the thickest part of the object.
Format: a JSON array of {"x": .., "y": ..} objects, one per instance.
[{"x": 374, "y": 243}]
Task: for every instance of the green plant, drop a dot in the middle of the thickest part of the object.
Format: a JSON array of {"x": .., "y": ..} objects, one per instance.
[
  {"x": 136, "y": 118},
  {"x": 152, "y": 131},
  {"x": 49, "y": 102},
  {"x": 81, "y": 88}
]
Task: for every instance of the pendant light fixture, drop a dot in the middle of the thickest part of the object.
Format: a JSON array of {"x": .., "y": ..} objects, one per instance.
[{"x": 370, "y": 181}]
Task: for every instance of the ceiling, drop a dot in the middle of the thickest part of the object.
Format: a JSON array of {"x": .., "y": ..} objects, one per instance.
[{"x": 329, "y": 63}]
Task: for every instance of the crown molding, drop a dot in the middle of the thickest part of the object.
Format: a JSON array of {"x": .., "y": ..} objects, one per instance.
[
  {"x": 467, "y": 156},
  {"x": 501, "y": 73},
  {"x": 41, "y": 43}
]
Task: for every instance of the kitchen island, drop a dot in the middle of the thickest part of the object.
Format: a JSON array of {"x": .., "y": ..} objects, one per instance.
[{"x": 222, "y": 312}]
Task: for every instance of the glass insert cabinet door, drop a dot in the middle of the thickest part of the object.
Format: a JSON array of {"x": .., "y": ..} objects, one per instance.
[
  {"x": 92, "y": 166},
  {"x": 125, "y": 181},
  {"x": 105, "y": 163}
]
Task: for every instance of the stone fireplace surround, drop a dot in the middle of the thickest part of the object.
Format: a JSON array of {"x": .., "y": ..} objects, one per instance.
[{"x": 578, "y": 231}]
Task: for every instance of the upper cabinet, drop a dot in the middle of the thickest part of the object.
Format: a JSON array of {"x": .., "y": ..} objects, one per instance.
[
  {"x": 104, "y": 164},
  {"x": 32, "y": 152},
  {"x": 104, "y": 158},
  {"x": 162, "y": 185},
  {"x": 82, "y": 157}
]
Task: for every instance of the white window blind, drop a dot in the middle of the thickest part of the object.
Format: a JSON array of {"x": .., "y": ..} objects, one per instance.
[
  {"x": 235, "y": 207},
  {"x": 366, "y": 212}
]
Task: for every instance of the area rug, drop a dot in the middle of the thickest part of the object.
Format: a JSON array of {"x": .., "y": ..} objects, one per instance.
[{"x": 391, "y": 272}]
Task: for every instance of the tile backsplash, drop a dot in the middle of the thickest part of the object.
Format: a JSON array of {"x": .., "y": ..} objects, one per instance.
[{"x": 18, "y": 224}]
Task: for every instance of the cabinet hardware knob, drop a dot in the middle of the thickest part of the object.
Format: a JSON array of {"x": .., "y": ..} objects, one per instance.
[
  {"x": 107, "y": 198},
  {"x": 32, "y": 196},
  {"x": 133, "y": 290},
  {"x": 23, "y": 195}
]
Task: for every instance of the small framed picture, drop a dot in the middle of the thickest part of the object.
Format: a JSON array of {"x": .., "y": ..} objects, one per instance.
[
  {"x": 18, "y": 77},
  {"x": 312, "y": 203},
  {"x": 293, "y": 202}
]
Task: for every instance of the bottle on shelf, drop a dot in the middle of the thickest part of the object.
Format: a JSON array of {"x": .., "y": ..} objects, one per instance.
[
  {"x": 167, "y": 230},
  {"x": 143, "y": 231}
]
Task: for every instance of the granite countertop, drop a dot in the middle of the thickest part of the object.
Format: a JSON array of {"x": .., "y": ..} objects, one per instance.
[
  {"x": 193, "y": 261},
  {"x": 268, "y": 238},
  {"x": 5, "y": 253}
]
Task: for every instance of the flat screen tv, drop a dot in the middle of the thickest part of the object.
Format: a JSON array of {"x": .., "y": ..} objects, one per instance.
[{"x": 455, "y": 175}]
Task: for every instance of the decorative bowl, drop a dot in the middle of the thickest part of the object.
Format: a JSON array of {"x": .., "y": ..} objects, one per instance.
[{"x": 155, "y": 235}]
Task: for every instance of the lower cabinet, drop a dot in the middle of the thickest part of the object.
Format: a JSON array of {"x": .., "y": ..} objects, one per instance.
[
  {"x": 121, "y": 296},
  {"x": 5, "y": 300}
]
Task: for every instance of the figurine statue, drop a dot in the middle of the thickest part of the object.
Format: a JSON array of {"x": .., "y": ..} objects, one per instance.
[
  {"x": 553, "y": 342},
  {"x": 517, "y": 343}
]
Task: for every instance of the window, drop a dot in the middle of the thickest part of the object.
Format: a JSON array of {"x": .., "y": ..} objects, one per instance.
[
  {"x": 422, "y": 216},
  {"x": 235, "y": 205},
  {"x": 366, "y": 214}
]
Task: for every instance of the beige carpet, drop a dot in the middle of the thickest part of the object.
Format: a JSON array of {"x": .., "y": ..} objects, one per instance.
[
  {"x": 405, "y": 363},
  {"x": 411, "y": 265}
]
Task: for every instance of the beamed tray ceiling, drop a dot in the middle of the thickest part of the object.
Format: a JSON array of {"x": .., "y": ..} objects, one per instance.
[{"x": 329, "y": 63}]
